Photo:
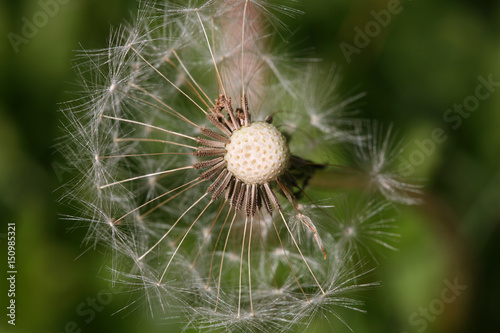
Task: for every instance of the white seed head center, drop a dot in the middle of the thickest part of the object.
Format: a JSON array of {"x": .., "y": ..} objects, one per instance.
[{"x": 257, "y": 154}]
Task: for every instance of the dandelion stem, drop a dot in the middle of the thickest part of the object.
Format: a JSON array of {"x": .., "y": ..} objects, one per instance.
[
  {"x": 288, "y": 260},
  {"x": 139, "y": 155},
  {"x": 265, "y": 252},
  {"x": 221, "y": 208},
  {"x": 241, "y": 263},
  {"x": 249, "y": 265},
  {"x": 148, "y": 175},
  {"x": 158, "y": 197},
  {"x": 215, "y": 246},
  {"x": 192, "y": 88},
  {"x": 222, "y": 259},
  {"x": 310, "y": 226},
  {"x": 150, "y": 126},
  {"x": 169, "y": 109},
  {"x": 154, "y": 140},
  {"x": 219, "y": 78},
  {"x": 242, "y": 63},
  {"x": 298, "y": 248},
  {"x": 191, "y": 77},
  {"x": 171, "y": 228},
  {"x": 183, "y": 238},
  {"x": 166, "y": 79},
  {"x": 171, "y": 198}
]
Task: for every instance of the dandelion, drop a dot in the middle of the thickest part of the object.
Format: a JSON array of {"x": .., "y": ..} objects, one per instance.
[{"x": 194, "y": 143}]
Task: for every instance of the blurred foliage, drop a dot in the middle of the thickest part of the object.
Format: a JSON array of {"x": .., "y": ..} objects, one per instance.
[{"x": 427, "y": 59}]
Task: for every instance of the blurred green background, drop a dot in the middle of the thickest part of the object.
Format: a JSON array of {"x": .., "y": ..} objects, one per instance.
[{"x": 427, "y": 59}]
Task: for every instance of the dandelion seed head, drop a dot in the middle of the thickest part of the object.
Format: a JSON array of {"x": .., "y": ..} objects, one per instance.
[
  {"x": 205, "y": 207},
  {"x": 257, "y": 154}
]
